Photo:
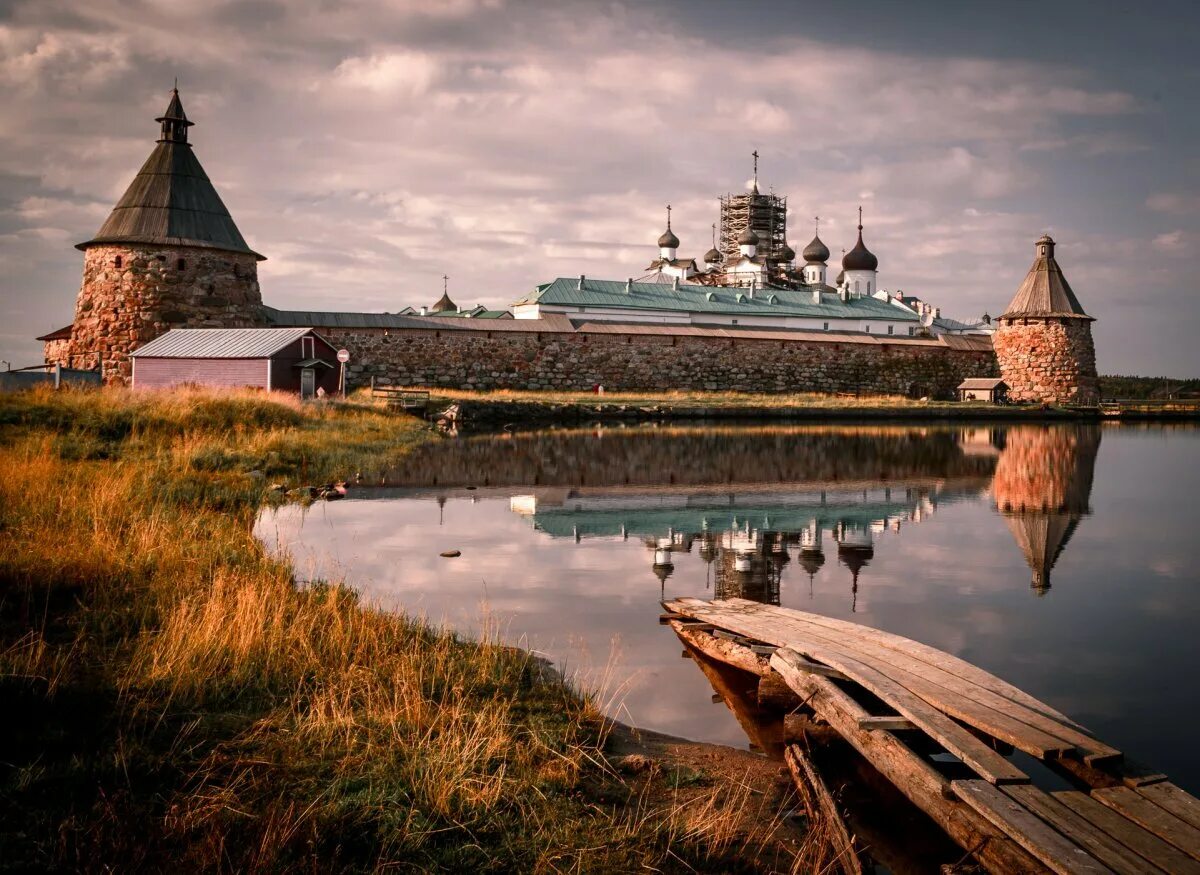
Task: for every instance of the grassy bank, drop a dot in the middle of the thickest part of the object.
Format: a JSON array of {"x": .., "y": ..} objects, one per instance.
[{"x": 169, "y": 697}]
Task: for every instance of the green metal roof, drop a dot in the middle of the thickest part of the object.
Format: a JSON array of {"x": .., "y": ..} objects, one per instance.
[
  {"x": 703, "y": 514},
  {"x": 725, "y": 300}
]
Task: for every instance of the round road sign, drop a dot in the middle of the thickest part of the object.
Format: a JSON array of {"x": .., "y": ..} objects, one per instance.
[{"x": 343, "y": 355}]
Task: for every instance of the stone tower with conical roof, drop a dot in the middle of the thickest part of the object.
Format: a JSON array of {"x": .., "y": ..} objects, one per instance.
[
  {"x": 168, "y": 255},
  {"x": 1043, "y": 341}
]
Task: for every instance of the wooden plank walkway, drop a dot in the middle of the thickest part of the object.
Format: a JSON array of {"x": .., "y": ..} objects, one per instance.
[{"x": 896, "y": 701}]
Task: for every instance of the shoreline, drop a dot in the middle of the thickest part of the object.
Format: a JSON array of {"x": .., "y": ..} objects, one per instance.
[{"x": 490, "y": 413}]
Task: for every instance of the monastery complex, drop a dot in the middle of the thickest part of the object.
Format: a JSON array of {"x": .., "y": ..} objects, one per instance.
[{"x": 750, "y": 315}]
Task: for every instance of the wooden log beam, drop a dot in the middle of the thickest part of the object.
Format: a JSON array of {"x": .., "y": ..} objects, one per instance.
[
  {"x": 820, "y": 807},
  {"x": 775, "y": 694},
  {"x": 912, "y": 775},
  {"x": 720, "y": 649}
]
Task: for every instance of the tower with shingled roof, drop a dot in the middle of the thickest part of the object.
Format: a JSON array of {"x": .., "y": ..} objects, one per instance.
[
  {"x": 168, "y": 255},
  {"x": 1043, "y": 341}
]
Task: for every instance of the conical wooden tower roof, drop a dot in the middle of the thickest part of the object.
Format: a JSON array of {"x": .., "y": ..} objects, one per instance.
[
  {"x": 1045, "y": 291},
  {"x": 171, "y": 201},
  {"x": 1042, "y": 538}
]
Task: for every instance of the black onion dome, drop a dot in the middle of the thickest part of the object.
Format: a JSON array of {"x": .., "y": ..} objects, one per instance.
[
  {"x": 816, "y": 252},
  {"x": 668, "y": 240},
  {"x": 860, "y": 257},
  {"x": 713, "y": 256},
  {"x": 444, "y": 305},
  {"x": 748, "y": 238},
  {"x": 788, "y": 253},
  {"x": 841, "y": 277}
]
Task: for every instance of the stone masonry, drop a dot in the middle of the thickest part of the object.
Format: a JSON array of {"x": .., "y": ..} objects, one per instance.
[
  {"x": 1048, "y": 359},
  {"x": 480, "y": 359},
  {"x": 133, "y": 293}
]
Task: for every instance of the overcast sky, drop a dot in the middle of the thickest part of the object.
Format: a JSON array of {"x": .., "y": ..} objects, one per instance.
[{"x": 367, "y": 148}]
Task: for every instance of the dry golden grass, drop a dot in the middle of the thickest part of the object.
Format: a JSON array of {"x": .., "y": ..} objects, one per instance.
[
  {"x": 696, "y": 399},
  {"x": 172, "y": 698}
]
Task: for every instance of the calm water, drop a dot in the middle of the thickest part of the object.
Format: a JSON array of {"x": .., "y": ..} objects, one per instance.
[{"x": 1064, "y": 559}]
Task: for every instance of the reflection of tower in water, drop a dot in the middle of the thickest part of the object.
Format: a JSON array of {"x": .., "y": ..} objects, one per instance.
[
  {"x": 748, "y": 565},
  {"x": 856, "y": 548},
  {"x": 812, "y": 555},
  {"x": 1042, "y": 485}
]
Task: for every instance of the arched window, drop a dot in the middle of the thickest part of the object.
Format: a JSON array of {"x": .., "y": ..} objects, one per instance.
[
  {"x": 181, "y": 264},
  {"x": 117, "y": 261},
  {"x": 856, "y": 285},
  {"x": 868, "y": 287}
]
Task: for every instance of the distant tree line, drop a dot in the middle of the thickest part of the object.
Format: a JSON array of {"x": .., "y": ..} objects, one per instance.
[{"x": 1115, "y": 386}]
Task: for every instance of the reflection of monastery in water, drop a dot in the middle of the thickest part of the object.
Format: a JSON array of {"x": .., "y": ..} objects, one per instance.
[
  {"x": 755, "y": 504},
  {"x": 747, "y": 536},
  {"x": 1042, "y": 485}
]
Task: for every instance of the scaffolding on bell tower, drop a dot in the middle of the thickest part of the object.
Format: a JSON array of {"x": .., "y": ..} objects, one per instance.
[{"x": 765, "y": 214}]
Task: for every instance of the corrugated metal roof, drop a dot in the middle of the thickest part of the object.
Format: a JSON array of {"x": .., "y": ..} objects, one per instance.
[
  {"x": 220, "y": 343},
  {"x": 713, "y": 299},
  {"x": 981, "y": 383}
]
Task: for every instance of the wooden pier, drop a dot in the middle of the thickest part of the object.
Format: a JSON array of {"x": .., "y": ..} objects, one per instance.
[{"x": 942, "y": 731}]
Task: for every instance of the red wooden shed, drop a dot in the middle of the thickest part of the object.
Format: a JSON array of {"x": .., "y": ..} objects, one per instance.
[{"x": 294, "y": 360}]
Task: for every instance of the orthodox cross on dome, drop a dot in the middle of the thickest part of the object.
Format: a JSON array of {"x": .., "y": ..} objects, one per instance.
[
  {"x": 668, "y": 217},
  {"x": 445, "y": 282},
  {"x": 817, "y": 225},
  {"x": 755, "y": 154},
  {"x": 714, "y": 234}
]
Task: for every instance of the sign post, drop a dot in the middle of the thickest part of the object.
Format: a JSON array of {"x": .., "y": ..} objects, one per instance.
[{"x": 343, "y": 356}]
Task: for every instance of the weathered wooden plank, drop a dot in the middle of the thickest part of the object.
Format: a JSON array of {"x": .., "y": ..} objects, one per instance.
[
  {"x": 890, "y": 724},
  {"x": 911, "y": 774},
  {"x": 957, "y": 699},
  {"x": 819, "y": 801},
  {"x": 986, "y": 761},
  {"x": 1024, "y": 728},
  {"x": 1081, "y": 831},
  {"x": 1131, "y": 804},
  {"x": 914, "y": 649},
  {"x": 1027, "y": 729},
  {"x": 1145, "y": 844},
  {"x": 1028, "y": 830},
  {"x": 956, "y": 739},
  {"x": 1179, "y": 802},
  {"x": 1047, "y": 733}
]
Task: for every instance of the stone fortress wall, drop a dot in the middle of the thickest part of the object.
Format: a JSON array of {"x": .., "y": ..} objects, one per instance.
[
  {"x": 477, "y": 358},
  {"x": 1050, "y": 360},
  {"x": 132, "y": 293}
]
